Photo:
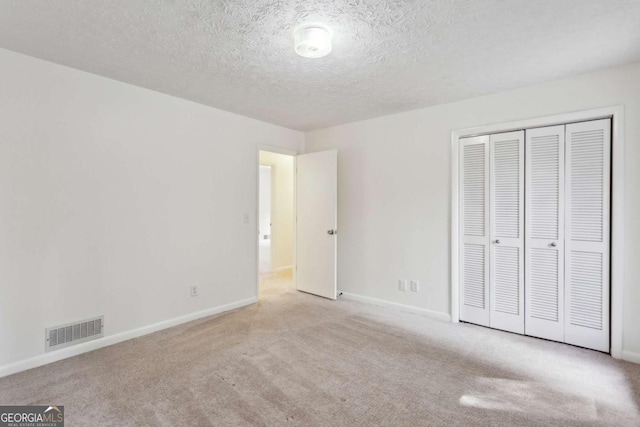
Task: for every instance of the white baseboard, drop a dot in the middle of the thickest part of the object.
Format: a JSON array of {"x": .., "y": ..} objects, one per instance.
[
  {"x": 65, "y": 353},
  {"x": 285, "y": 268},
  {"x": 382, "y": 303},
  {"x": 630, "y": 356}
]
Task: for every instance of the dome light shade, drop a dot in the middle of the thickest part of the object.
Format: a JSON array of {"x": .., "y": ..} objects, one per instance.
[{"x": 313, "y": 42}]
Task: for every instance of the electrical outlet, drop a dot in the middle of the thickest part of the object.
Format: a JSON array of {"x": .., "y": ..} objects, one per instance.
[
  {"x": 415, "y": 286},
  {"x": 402, "y": 285},
  {"x": 194, "y": 291}
]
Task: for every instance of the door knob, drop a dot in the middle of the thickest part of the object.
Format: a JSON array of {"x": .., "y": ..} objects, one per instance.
[
  {"x": 331, "y": 232},
  {"x": 553, "y": 244},
  {"x": 497, "y": 242}
]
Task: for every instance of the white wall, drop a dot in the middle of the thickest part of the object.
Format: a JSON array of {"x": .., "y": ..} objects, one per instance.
[
  {"x": 264, "y": 202},
  {"x": 394, "y": 187},
  {"x": 282, "y": 224},
  {"x": 115, "y": 199}
]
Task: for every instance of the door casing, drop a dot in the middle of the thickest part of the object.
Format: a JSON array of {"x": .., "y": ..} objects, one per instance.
[{"x": 293, "y": 154}]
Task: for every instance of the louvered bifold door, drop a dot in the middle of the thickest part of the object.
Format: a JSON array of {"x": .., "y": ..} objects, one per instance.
[
  {"x": 506, "y": 283},
  {"x": 474, "y": 251},
  {"x": 587, "y": 193},
  {"x": 544, "y": 233}
]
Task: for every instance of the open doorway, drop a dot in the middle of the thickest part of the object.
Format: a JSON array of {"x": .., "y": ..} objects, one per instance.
[{"x": 276, "y": 225}]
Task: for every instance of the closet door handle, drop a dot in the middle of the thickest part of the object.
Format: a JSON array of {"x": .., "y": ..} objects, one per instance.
[
  {"x": 553, "y": 244},
  {"x": 497, "y": 242}
]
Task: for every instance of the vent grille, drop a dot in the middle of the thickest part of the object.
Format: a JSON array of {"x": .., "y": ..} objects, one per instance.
[
  {"x": 507, "y": 188},
  {"x": 545, "y": 186},
  {"x": 474, "y": 190},
  {"x": 73, "y": 333},
  {"x": 543, "y": 284},
  {"x": 474, "y": 276},
  {"x": 586, "y": 289},
  {"x": 507, "y": 280},
  {"x": 587, "y": 185}
]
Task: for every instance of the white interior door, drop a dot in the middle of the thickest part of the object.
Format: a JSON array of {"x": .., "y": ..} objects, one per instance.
[
  {"x": 317, "y": 223},
  {"x": 544, "y": 233},
  {"x": 474, "y": 229},
  {"x": 587, "y": 192},
  {"x": 506, "y": 283}
]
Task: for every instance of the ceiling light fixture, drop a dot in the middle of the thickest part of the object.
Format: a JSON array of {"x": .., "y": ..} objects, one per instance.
[{"x": 313, "y": 41}]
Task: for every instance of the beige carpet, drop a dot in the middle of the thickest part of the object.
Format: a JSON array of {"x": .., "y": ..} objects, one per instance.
[{"x": 296, "y": 359}]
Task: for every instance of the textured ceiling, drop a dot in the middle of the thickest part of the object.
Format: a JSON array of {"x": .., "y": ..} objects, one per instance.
[{"x": 388, "y": 56}]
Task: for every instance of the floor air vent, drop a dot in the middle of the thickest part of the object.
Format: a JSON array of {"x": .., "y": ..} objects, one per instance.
[{"x": 73, "y": 333}]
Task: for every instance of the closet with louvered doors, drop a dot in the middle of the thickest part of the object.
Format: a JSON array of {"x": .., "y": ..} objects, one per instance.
[{"x": 535, "y": 232}]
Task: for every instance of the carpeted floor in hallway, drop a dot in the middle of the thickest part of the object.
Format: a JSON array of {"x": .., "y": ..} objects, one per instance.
[{"x": 300, "y": 360}]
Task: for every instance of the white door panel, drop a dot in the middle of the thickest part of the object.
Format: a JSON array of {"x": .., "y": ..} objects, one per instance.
[
  {"x": 587, "y": 191},
  {"x": 544, "y": 233},
  {"x": 506, "y": 281},
  {"x": 474, "y": 202},
  {"x": 316, "y": 226}
]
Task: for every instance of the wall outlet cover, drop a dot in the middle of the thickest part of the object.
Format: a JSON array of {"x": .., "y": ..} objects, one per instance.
[
  {"x": 415, "y": 285},
  {"x": 402, "y": 285}
]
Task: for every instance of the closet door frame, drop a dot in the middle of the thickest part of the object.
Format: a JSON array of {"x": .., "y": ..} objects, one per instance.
[{"x": 616, "y": 113}]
